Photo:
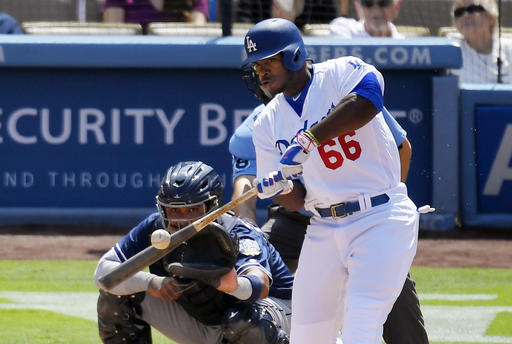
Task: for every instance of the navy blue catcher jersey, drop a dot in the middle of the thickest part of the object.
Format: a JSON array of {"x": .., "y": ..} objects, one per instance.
[{"x": 255, "y": 251}]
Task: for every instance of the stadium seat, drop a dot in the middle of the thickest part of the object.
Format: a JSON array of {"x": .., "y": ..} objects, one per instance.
[
  {"x": 190, "y": 29},
  {"x": 240, "y": 29},
  {"x": 316, "y": 30},
  {"x": 185, "y": 29},
  {"x": 413, "y": 31},
  {"x": 449, "y": 31},
  {"x": 78, "y": 28}
]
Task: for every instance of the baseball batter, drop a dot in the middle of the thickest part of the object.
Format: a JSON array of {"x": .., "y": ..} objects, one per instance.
[
  {"x": 285, "y": 230},
  {"x": 326, "y": 135}
]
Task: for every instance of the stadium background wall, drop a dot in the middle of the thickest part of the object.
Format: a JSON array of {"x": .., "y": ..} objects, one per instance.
[{"x": 88, "y": 124}]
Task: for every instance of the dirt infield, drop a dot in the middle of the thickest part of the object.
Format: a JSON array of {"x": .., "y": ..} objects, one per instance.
[{"x": 458, "y": 248}]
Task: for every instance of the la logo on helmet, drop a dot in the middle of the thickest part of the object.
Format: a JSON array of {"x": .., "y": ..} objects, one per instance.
[{"x": 250, "y": 45}]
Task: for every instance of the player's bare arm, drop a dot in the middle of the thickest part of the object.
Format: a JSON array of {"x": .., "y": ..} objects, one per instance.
[
  {"x": 228, "y": 282},
  {"x": 405, "y": 153},
  {"x": 244, "y": 289},
  {"x": 293, "y": 201},
  {"x": 351, "y": 113},
  {"x": 265, "y": 282},
  {"x": 246, "y": 210}
]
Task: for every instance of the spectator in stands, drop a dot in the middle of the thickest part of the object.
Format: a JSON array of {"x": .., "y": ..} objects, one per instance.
[
  {"x": 148, "y": 11},
  {"x": 375, "y": 20},
  {"x": 477, "y": 20},
  {"x": 8, "y": 24},
  {"x": 300, "y": 12}
]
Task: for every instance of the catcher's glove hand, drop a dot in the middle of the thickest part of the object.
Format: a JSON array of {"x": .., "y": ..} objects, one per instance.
[{"x": 207, "y": 256}]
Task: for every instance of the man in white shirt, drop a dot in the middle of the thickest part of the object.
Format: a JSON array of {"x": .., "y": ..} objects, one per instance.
[{"x": 375, "y": 18}]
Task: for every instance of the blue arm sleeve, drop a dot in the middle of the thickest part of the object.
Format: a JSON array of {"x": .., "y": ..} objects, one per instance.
[
  {"x": 399, "y": 134},
  {"x": 240, "y": 143},
  {"x": 243, "y": 167},
  {"x": 369, "y": 88}
]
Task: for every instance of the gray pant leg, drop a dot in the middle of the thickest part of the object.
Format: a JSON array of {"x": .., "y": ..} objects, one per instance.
[
  {"x": 174, "y": 322},
  {"x": 405, "y": 324}
]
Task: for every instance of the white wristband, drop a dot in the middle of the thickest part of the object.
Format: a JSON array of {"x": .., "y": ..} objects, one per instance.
[{"x": 244, "y": 289}]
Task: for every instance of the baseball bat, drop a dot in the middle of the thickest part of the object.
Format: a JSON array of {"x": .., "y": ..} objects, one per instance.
[{"x": 151, "y": 254}]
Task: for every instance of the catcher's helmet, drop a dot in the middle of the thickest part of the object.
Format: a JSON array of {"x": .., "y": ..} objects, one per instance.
[
  {"x": 187, "y": 184},
  {"x": 253, "y": 84},
  {"x": 273, "y": 36}
]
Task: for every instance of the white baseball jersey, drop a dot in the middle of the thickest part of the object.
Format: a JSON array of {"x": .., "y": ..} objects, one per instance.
[{"x": 365, "y": 161}]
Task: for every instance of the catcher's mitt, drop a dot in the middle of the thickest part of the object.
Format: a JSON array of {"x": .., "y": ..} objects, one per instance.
[{"x": 206, "y": 257}]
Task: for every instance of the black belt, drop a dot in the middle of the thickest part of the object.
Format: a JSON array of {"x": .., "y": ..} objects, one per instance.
[{"x": 345, "y": 209}]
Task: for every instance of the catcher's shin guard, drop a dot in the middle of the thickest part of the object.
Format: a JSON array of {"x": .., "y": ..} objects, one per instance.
[
  {"x": 119, "y": 319},
  {"x": 250, "y": 323}
]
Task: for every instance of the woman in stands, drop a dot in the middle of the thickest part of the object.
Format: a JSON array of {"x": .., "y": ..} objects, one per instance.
[{"x": 477, "y": 21}]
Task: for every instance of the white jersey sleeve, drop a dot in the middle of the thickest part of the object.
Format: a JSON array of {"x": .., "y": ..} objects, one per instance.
[{"x": 352, "y": 70}]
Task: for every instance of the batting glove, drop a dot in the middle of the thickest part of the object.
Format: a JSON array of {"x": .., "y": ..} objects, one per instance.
[
  {"x": 297, "y": 153},
  {"x": 274, "y": 185}
]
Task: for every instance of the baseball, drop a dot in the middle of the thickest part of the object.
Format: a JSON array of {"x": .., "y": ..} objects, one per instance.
[{"x": 160, "y": 239}]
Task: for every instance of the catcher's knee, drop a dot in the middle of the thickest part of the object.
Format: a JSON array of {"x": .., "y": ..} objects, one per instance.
[
  {"x": 249, "y": 323},
  {"x": 119, "y": 319}
]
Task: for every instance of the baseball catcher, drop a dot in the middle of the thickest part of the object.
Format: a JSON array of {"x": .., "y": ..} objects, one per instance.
[{"x": 226, "y": 284}]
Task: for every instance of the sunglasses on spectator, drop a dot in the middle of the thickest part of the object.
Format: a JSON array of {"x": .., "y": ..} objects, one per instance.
[
  {"x": 380, "y": 3},
  {"x": 459, "y": 12}
]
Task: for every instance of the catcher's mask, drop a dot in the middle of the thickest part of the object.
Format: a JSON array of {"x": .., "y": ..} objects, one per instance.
[
  {"x": 253, "y": 84},
  {"x": 188, "y": 191}
]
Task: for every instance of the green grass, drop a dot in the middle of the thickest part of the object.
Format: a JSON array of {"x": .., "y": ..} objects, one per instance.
[
  {"x": 44, "y": 327},
  {"x": 465, "y": 281},
  {"x": 501, "y": 326},
  {"x": 41, "y": 275},
  {"x": 33, "y": 326}
]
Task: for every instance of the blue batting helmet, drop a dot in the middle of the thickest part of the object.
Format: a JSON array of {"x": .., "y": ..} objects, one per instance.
[{"x": 273, "y": 36}]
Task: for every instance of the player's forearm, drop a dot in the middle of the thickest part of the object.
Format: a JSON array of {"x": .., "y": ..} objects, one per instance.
[
  {"x": 137, "y": 283},
  {"x": 251, "y": 285},
  {"x": 246, "y": 210},
  {"x": 293, "y": 201},
  {"x": 352, "y": 113},
  {"x": 265, "y": 282},
  {"x": 405, "y": 152}
]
